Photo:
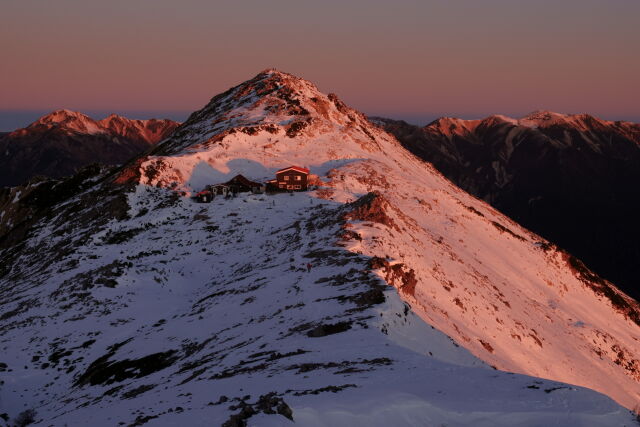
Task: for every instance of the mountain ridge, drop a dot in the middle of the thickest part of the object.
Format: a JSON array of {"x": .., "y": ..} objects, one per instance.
[
  {"x": 569, "y": 178},
  {"x": 539, "y": 116}
]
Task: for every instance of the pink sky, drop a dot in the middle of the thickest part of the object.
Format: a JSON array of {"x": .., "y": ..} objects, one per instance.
[{"x": 403, "y": 59}]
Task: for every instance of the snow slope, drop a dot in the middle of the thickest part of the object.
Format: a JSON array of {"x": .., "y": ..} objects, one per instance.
[
  {"x": 129, "y": 303},
  {"x": 569, "y": 178},
  {"x": 186, "y": 311}
]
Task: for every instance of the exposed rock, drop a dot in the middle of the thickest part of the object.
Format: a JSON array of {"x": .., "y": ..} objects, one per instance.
[
  {"x": 370, "y": 207},
  {"x": 269, "y": 403},
  {"x": 395, "y": 275}
]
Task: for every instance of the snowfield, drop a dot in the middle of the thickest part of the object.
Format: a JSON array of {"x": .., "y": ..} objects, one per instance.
[{"x": 128, "y": 303}]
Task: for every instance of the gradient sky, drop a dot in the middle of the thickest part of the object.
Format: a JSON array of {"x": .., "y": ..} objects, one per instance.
[{"x": 405, "y": 59}]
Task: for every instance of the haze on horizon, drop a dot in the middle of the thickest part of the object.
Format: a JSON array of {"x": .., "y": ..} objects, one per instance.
[{"x": 414, "y": 59}]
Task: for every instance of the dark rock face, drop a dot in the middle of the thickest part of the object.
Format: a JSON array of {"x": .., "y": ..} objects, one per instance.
[
  {"x": 23, "y": 206},
  {"x": 269, "y": 403},
  {"x": 104, "y": 371},
  {"x": 60, "y": 143},
  {"x": 572, "y": 179}
]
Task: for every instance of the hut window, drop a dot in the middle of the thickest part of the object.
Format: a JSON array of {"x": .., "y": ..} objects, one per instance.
[
  {"x": 296, "y": 187},
  {"x": 286, "y": 178},
  {"x": 298, "y": 178}
]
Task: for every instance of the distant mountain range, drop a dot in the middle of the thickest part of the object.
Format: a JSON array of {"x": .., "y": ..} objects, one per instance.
[
  {"x": 574, "y": 179},
  {"x": 59, "y": 143}
]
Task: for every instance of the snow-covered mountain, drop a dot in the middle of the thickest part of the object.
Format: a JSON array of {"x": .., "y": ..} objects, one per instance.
[
  {"x": 570, "y": 178},
  {"x": 59, "y": 143},
  {"x": 123, "y": 301}
]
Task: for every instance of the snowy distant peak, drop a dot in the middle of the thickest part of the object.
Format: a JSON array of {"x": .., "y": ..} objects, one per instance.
[
  {"x": 451, "y": 125},
  {"x": 68, "y": 119},
  {"x": 544, "y": 115},
  {"x": 114, "y": 119},
  {"x": 538, "y": 119},
  {"x": 73, "y": 122},
  {"x": 499, "y": 119},
  {"x": 119, "y": 124},
  {"x": 151, "y": 130},
  {"x": 550, "y": 118},
  {"x": 63, "y": 115}
]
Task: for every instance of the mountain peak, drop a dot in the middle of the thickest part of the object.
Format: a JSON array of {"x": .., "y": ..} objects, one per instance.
[
  {"x": 70, "y": 121},
  {"x": 63, "y": 115},
  {"x": 452, "y": 125},
  {"x": 545, "y": 118},
  {"x": 272, "y": 101},
  {"x": 274, "y": 71},
  {"x": 114, "y": 118},
  {"x": 283, "y": 81},
  {"x": 543, "y": 115}
]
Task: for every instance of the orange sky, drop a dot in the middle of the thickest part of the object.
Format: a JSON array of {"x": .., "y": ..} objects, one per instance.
[{"x": 414, "y": 59}]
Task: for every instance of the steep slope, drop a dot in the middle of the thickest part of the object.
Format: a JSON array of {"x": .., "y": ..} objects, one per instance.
[
  {"x": 130, "y": 303},
  {"x": 571, "y": 178},
  {"x": 60, "y": 143}
]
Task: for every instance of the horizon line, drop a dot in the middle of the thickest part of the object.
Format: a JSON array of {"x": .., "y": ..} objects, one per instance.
[{"x": 11, "y": 120}]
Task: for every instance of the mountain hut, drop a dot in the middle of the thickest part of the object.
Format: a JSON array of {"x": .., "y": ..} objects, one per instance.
[{"x": 292, "y": 178}]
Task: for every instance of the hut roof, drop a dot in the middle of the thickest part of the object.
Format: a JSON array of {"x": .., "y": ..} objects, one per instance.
[
  {"x": 241, "y": 180},
  {"x": 295, "y": 168}
]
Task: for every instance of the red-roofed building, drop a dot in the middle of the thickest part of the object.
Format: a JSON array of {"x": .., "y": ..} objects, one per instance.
[{"x": 292, "y": 178}]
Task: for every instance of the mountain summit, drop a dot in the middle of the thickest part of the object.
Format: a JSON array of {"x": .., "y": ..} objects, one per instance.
[
  {"x": 385, "y": 295},
  {"x": 67, "y": 119},
  {"x": 276, "y": 101},
  {"x": 271, "y": 120}
]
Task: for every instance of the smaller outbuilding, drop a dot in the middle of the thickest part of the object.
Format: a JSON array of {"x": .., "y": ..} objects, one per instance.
[
  {"x": 240, "y": 184},
  {"x": 219, "y": 189},
  {"x": 292, "y": 178},
  {"x": 205, "y": 196}
]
